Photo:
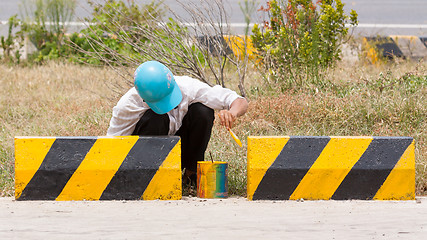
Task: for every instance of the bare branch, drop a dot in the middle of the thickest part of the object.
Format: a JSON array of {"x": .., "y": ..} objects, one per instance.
[{"x": 193, "y": 45}]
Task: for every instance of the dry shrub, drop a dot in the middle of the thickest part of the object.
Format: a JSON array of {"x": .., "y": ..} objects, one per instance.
[
  {"x": 52, "y": 100},
  {"x": 56, "y": 99}
]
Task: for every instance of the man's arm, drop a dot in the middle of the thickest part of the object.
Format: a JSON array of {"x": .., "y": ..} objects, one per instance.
[{"x": 237, "y": 109}]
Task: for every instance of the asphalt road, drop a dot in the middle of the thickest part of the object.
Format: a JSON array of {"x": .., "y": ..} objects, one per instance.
[
  {"x": 375, "y": 16},
  {"x": 193, "y": 218}
]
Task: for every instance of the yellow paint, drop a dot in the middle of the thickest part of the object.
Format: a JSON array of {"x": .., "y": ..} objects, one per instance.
[
  {"x": 237, "y": 45},
  {"x": 371, "y": 51},
  {"x": 236, "y": 139},
  {"x": 212, "y": 179},
  {"x": 400, "y": 183},
  {"x": 331, "y": 167},
  {"x": 262, "y": 151},
  {"x": 233, "y": 135},
  {"x": 166, "y": 183},
  {"x": 29, "y": 155},
  {"x": 98, "y": 168}
]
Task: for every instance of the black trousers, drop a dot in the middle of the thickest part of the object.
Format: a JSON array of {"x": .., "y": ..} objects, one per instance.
[{"x": 195, "y": 132}]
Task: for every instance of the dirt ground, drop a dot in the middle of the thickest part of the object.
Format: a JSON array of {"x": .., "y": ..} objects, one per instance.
[{"x": 194, "y": 218}]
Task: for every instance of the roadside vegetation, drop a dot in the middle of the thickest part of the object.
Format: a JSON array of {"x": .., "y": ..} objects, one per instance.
[{"x": 69, "y": 85}]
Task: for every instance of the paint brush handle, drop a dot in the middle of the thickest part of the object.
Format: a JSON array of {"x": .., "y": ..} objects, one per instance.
[
  {"x": 236, "y": 139},
  {"x": 211, "y": 156},
  {"x": 233, "y": 135}
]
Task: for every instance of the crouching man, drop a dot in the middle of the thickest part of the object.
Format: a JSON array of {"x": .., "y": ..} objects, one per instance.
[{"x": 164, "y": 104}]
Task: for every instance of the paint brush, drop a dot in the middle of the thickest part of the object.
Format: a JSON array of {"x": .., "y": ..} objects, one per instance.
[
  {"x": 211, "y": 156},
  {"x": 233, "y": 135},
  {"x": 236, "y": 139}
]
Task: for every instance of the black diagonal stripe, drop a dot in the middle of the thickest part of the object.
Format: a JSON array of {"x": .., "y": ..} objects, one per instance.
[
  {"x": 62, "y": 160},
  {"x": 138, "y": 168},
  {"x": 287, "y": 171},
  {"x": 371, "y": 170}
]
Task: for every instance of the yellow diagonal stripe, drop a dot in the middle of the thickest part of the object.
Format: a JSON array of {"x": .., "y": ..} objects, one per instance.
[
  {"x": 237, "y": 45},
  {"x": 400, "y": 183},
  {"x": 331, "y": 167},
  {"x": 29, "y": 155},
  {"x": 262, "y": 151},
  {"x": 98, "y": 168},
  {"x": 166, "y": 183}
]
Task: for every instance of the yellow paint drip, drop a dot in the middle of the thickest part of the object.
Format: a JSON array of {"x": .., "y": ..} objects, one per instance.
[
  {"x": 331, "y": 167},
  {"x": 29, "y": 155},
  {"x": 97, "y": 169}
]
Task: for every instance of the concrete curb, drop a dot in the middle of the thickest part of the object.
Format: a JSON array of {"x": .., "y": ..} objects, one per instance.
[
  {"x": 400, "y": 46},
  {"x": 97, "y": 168},
  {"x": 323, "y": 168}
]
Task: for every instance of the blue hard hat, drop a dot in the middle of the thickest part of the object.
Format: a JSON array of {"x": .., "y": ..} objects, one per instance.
[{"x": 157, "y": 87}]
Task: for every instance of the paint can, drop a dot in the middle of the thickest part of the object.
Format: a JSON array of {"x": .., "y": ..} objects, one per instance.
[{"x": 212, "y": 179}]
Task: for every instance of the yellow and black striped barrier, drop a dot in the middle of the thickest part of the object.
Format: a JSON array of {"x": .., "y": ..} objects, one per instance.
[
  {"x": 394, "y": 46},
  {"x": 238, "y": 45},
  {"x": 241, "y": 46},
  {"x": 97, "y": 168},
  {"x": 322, "y": 168}
]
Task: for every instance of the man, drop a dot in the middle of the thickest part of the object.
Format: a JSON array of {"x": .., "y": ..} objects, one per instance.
[{"x": 163, "y": 104}]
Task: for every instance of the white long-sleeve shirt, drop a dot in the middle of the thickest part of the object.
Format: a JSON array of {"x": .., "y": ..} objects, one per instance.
[{"x": 131, "y": 107}]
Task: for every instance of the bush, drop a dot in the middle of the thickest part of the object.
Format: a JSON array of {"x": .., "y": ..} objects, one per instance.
[
  {"x": 193, "y": 45},
  {"x": 45, "y": 27},
  {"x": 111, "y": 21},
  {"x": 10, "y": 49},
  {"x": 301, "y": 38}
]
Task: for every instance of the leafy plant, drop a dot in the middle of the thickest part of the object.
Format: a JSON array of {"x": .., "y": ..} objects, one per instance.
[
  {"x": 110, "y": 21},
  {"x": 45, "y": 25},
  {"x": 301, "y": 38},
  {"x": 409, "y": 82},
  {"x": 12, "y": 42}
]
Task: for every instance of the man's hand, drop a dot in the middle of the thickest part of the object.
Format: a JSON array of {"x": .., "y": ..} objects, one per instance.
[
  {"x": 227, "y": 118},
  {"x": 237, "y": 109}
]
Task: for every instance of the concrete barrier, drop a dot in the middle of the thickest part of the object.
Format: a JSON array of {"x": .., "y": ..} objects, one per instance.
[
  {"x": 238, "y": 43},
  {"x": 97, "y": 168},
  {"x": 424, "y": 41},
  {"x": 322, "y": 168},
  {"x": 400, "y": 46},
  {"x": 229, "y": 44},
  {"x": 412, "y": 47},
  {"x": 377, "y": 48}
]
